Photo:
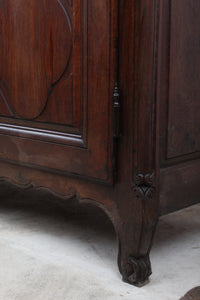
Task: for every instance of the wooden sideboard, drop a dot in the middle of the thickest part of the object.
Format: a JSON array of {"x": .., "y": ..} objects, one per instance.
[{"x": 100, "y": 100}]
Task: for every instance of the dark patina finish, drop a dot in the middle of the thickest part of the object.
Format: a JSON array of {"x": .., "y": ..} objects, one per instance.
[{"x": 99, "y": 101}]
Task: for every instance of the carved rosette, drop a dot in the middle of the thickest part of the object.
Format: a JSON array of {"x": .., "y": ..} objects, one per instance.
[
  {"x": 136, "y": 270},
  {"x": 144, "y": 185}
]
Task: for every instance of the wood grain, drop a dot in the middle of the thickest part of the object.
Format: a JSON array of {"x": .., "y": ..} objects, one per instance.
[
  {"x": 134, "y": 70},
  {"x": 36, "y": 41}
]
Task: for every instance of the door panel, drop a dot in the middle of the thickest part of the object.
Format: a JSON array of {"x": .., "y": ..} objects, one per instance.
[
  {"x": 34, "y": 66},
  {"x": 56, "y": 83},
  {"x": 179, "y": 72}
]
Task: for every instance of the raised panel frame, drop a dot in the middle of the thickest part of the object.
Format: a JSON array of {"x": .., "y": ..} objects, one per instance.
[
  {"x": 76, "y": 132},
  {"x": 89, "y": 153},
  {"x": 163, "y": 87}
]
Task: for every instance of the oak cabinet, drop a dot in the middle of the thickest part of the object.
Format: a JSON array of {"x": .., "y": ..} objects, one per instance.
[{"x": 99, "y": 100}]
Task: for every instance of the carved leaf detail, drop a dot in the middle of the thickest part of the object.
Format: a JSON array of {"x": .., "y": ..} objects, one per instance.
[{"x": 144, "y": 185}]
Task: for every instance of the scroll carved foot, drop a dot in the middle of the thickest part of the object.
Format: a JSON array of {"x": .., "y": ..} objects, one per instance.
[{"x": 136, "y": 270}]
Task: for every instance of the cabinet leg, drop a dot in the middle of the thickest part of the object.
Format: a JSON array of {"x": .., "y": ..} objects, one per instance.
[
  {"x": 136, "y": 270},
  {"x": 133, "y": 258},
  {"x": 135, "y": 229}
]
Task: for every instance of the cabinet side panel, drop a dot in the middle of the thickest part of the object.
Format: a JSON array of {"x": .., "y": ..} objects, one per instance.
[
  {"x": 184, "y": 78},
  {"x": 178, "y": 93}
]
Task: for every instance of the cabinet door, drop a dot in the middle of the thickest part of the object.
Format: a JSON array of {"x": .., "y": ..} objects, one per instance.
[
  {"x": 179, "y": 80},
  {"x": 56, "y": 84}
]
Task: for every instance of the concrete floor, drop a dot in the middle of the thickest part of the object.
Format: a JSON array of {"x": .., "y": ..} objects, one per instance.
[{"x": 51, "y": 252}]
